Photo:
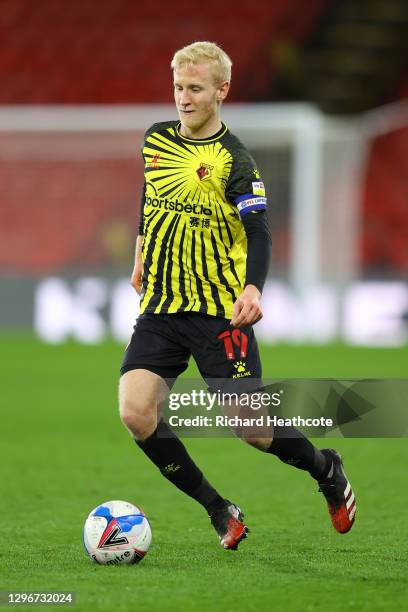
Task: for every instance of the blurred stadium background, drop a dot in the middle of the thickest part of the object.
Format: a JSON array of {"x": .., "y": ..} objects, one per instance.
[{"x": 320, "y": 97}]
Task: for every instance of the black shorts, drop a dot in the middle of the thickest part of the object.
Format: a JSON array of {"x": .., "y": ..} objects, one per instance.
[{"x": 163, "y": 344}]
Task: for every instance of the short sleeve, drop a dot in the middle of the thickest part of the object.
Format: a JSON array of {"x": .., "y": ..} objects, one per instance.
[
  {"x": 141, "y": 216},
  {"x": 245, "y": 187}
]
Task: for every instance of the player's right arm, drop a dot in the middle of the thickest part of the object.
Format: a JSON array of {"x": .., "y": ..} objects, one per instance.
[
  {"x": 137, "y": 274},
  {"x": 136, "y": 278}
]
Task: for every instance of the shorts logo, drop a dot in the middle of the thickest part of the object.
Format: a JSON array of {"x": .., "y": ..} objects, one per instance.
[
  {"x": 153, "y": 163},
  {"x": 241, "y": 370},
  {"x": 204, "y": 171}
]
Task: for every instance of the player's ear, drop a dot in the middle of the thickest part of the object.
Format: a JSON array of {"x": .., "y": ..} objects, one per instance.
[{"x": 222, "y": 91}]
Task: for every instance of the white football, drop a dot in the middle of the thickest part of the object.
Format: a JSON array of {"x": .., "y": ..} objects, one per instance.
[{"x": 117, "y": 532}]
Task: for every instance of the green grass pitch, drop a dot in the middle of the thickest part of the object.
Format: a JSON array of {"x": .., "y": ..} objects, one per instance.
[{"x": 64, "y": 451}]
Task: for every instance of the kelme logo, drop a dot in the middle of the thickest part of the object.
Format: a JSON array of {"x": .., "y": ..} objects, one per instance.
[
  {"x": 154, "y": 162},
  {"x": 240, "y": 370}
]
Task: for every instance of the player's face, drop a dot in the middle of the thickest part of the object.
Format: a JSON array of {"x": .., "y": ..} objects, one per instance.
[{"x": 198, "y": 100}]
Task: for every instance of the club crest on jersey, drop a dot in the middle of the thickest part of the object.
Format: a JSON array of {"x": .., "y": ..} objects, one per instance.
[
  {"x": 204, "y": 171},
  {"x": 154, "y": 162}
]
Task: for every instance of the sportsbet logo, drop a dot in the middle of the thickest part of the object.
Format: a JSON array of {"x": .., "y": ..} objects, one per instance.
[{"x": 179, "y": 207}]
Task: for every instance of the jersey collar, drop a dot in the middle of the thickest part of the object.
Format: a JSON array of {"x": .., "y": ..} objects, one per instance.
[{"x": 216, "y": 136}]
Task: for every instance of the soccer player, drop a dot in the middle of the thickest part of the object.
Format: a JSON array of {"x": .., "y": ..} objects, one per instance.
[{"x": 201, "y": 261}]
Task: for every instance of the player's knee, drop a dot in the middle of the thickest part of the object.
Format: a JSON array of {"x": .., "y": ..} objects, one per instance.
[
  {"x": 140, "y": 393},
  {"x": 139, "y": 418}
]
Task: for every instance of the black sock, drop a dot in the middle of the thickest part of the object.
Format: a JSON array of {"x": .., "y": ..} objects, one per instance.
[
  {"x": 291, "y": 447},
  {"x": 168, "y": 453}
]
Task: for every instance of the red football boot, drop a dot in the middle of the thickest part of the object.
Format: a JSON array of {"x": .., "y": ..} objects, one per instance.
[
  {"x": 228, "y": 523},
  {"x": 338, "y": 493}
]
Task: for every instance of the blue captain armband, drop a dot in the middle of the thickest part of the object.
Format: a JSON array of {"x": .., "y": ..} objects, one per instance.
[{"x": 248, "y": 202}]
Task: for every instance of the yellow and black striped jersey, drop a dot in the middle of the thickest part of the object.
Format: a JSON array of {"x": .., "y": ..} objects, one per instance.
[{"x": 194, "y": 247}]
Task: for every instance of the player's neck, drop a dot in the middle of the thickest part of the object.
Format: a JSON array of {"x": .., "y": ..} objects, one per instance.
[{"x": 206, "y": 131}]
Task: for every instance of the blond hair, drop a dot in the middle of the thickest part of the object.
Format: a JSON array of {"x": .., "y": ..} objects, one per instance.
[{"x": 203, "y": 52}]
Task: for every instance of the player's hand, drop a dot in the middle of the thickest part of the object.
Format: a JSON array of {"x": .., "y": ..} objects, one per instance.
[
  {"x": 136, "y": 278},
  {"x": 247, "y": 308}
]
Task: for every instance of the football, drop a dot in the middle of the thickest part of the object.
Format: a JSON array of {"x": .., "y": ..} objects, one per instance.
[{"x": 117, "y": 533}]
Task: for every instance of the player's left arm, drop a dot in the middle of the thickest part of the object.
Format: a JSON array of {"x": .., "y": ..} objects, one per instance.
[
  {"x": 247, "y": 308},
  {"x": 247, "y": 191}
]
